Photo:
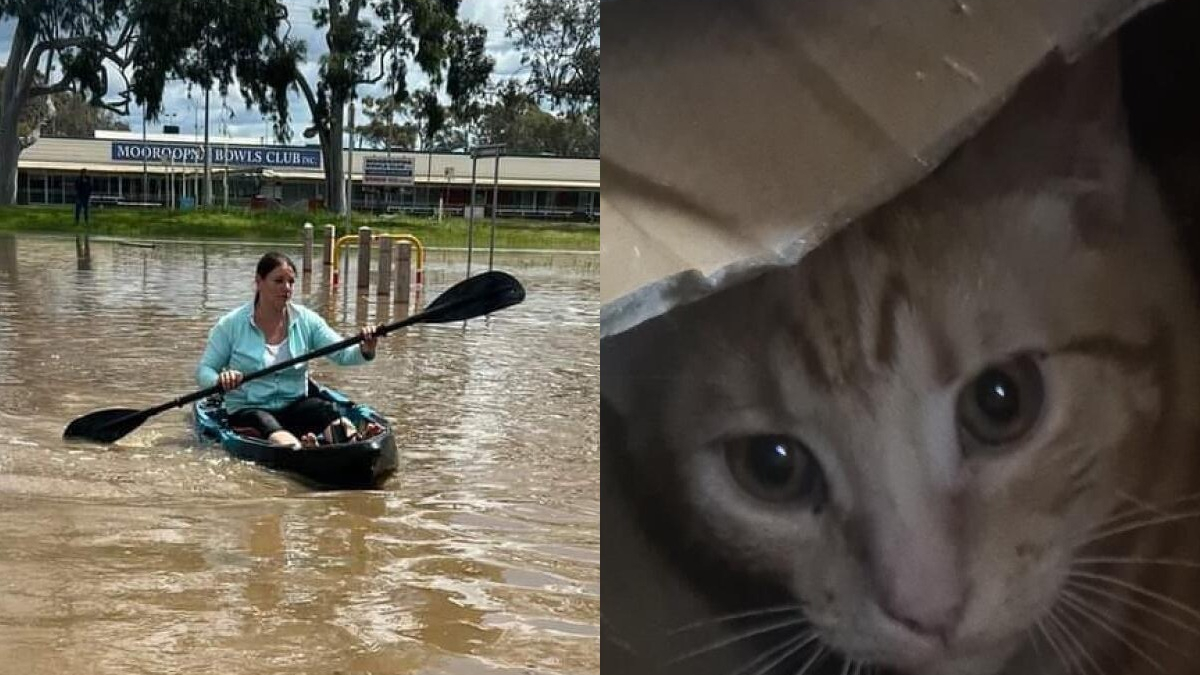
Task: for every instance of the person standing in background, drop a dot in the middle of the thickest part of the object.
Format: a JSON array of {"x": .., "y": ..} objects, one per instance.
[{"x": 83, "y": 195}]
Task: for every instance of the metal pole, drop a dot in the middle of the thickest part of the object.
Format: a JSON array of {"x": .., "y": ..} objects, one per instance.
[
  {"x": 207, "y": 159},
  {"x": 495, "y": 207},
  {"x": 471, "y": 216},
  {"x": 347, "y": 186},
  {"x": 350, "y": 170},
  {"x": 225, "y": 178},
  {"x": 145, "y": 150}
]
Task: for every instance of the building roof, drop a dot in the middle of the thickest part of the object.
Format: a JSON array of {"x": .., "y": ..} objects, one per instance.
[{"x": 119, "y": 153}]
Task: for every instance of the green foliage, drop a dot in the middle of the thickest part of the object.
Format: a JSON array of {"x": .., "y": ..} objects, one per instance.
[
  {"x": 72, "y": 45},
  {"x": 467, "y": 76},
  {"x": 515, "y": 119},
  {"x": 560, "y": 42},
  {"x": 429, "y": 114},
  {"x": 199, "y": 41},
  {"x": 371, "y": 50},
  {"x": 213, "y": 43},
  {"x": 382, "y": 130}
]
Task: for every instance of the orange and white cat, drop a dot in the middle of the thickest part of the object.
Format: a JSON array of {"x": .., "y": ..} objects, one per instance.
[{"x": 959, "y": 438}]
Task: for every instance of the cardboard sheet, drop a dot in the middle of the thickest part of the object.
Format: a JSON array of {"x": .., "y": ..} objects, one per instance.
[{"x": 739, "y": 135}]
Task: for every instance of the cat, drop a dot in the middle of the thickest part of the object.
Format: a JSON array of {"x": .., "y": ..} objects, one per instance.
[{"x": 958, "y": 438}]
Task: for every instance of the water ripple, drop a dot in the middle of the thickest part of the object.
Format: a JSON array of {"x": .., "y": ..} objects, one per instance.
[{"x": 162, "y": 554}]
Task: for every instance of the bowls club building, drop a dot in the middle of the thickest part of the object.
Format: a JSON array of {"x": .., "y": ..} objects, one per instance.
[{"x": 169, "y": 168}]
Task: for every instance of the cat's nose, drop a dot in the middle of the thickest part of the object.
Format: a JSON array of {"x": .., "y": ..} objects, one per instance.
[
  {"x": 932, "y": 617},
  {"x": 918, "y": 574}
]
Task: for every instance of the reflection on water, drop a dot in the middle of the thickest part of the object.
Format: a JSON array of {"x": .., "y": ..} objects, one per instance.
[{"x": 162, "y": 555}]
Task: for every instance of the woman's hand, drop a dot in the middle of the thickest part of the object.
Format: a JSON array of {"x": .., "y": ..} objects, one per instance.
[
  {"x": 229, "y": 379},
  {"x": 369, "y": 340}
]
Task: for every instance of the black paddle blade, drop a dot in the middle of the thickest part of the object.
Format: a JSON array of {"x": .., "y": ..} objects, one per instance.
[
  {"x": 475, "y": 296},
  {"x": 105, "y": 426}
]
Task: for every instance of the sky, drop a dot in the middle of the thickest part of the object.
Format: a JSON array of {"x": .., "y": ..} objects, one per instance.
[{"x": 188, "y": 113}]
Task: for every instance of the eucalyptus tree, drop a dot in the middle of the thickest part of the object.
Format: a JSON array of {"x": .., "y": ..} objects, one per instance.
[
  {"x": 78, "y": 45},
  {"x": 372, "y": 42},
  {"x": 559, "y": 41}
]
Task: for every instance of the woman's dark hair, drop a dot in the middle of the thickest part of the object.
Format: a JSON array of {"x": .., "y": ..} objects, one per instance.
[{"x": 268, "y": 263}]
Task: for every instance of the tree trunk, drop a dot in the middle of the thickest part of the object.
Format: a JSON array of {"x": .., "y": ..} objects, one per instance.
[
  {"x": 331, "y": 149},
  {"x": 12, "y": 102},
  {"x": 10, "y": 150}
]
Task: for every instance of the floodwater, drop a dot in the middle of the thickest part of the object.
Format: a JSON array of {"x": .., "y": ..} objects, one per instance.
[{"x": 159, "y": 554}]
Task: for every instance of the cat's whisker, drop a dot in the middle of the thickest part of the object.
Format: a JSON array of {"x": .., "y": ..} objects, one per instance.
[
  {"x": 816, "y": 658},
  {"x": 758, "y": 612},
  {"x": 1122, "y": 560},
  {"x": 1081, "y": 607},
  {"x": 1094, "y": 536},
  {"x": 1163, "y": 508},
  {"x": 846, "y": 666},
  {"x": 767, "y": 661},
  {"x": 1058, "y": 652},
  {"x": 1075, "y": 649},
  {"x": 1077, "y": 629},
  {"x": 1144, "y": 592},
  {"x": 777, "y": 655},
  {"x": 1032, "y": 636},
  {"x": 1137, "y": 604},
  {"x": 1144, "y": 509},
  {"x": 725, "y": 642}
]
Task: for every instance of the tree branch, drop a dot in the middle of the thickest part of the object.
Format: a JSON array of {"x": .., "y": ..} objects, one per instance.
[
  {"x": 56, "y": 88},
  {"x": 36, "y": 54},
  {"x": 372, "y": 80},
  {"x": 120, "y": 107},
  {"x": 301, "y": 81}
]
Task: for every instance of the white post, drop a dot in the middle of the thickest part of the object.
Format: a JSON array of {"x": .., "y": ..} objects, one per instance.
[
  {"x": 308, "y": 248},
  {"x": 385, "y": 267},
  {"x": 403, "y": 272},
  {"x": 364, "y": 258}
]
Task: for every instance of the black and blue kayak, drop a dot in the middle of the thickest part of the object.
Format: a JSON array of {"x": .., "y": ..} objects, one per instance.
[{"x": 356, "y": 464}]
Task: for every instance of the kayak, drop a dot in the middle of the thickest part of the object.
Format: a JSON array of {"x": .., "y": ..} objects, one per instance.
[{"x": 355, "y": 464}]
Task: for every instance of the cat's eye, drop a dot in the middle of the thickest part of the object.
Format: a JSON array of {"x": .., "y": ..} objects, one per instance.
[
  {"x": 777, "y": 469},
  {"x": 1002, "y": 403}
]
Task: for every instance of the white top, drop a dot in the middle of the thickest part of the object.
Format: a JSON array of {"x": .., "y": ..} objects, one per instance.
[{"x": 277, "y": 352}]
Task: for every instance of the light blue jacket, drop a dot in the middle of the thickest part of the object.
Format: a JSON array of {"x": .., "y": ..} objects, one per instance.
[{"x": 236, "y": 343}]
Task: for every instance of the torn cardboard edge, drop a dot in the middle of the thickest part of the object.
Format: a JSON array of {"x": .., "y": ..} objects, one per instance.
[{"x": 669, "y": 242}]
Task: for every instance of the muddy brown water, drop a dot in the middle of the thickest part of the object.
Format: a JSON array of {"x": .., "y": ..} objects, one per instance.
[{"x": 160, "y": 554}]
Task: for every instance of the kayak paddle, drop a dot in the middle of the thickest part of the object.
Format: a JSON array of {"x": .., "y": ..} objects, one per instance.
[{"x": 474, "y": 296}]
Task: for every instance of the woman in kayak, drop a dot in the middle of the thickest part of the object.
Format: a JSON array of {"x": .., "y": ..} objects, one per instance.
[{"x": 270, "y": 330}]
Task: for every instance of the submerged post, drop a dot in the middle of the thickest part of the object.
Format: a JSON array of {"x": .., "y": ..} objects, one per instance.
[
  {"x": 403, "y": 272},
  {"x": 308, "y": 248},
  {"x": 385, "y": 267},
  {"x": 327, "y": 247},
  {"x": 364, "y": 258}
]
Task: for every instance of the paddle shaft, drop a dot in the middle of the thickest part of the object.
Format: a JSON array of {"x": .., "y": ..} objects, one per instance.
[
  {"x": 328, "y": 349},
  {"x": 474, "y": 296}
]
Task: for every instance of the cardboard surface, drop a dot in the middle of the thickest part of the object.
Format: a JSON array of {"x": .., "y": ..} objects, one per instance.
[{"x": 739, "y": 135}]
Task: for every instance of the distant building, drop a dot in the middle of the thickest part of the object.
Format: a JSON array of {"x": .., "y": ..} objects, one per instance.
[{"x": 247, "y": 172}]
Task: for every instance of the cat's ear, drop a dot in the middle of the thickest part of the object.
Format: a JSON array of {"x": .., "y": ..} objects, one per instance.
[
  {"x": 1064, "y": 129},
  {"x": 1097, "y": 167}
]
